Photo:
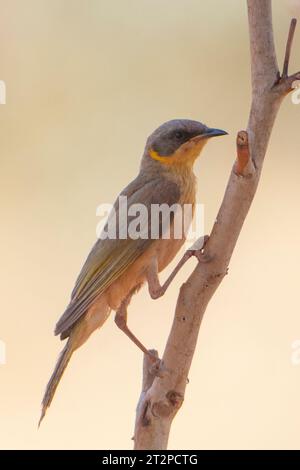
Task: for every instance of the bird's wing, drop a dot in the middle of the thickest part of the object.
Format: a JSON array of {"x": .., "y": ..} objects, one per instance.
[{"x": 109, "y": 258}]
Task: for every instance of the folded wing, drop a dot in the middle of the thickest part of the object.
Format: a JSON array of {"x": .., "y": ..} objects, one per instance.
[{"x": 109, "y": 258}]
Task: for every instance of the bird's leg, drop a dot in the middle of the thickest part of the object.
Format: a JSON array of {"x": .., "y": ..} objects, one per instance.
[
  {"x": 157, "y": 290},
  {"x": 121, "y": 322}
]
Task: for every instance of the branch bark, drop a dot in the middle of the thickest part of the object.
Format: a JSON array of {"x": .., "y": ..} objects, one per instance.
[{"x": 163, "y": 395}]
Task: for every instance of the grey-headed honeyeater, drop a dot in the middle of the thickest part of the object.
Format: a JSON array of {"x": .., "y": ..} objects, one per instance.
[{"x": 117, "y": 267}]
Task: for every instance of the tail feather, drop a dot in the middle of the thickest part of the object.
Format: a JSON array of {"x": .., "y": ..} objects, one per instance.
[
  {"x": 78, "y": 334},
  {"x": 60, "y": 367}
]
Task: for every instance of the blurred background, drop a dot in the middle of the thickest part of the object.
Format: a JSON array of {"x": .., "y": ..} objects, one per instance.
[{"x": 87, "y": 82}]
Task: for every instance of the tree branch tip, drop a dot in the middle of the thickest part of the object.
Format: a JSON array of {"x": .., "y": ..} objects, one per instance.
[
  {"x": 242, "y": 137},
  {"x": 243, "y": 166},
  {"x": 288, "y": 49}
]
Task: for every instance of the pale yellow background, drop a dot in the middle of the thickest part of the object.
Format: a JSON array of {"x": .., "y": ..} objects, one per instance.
[{"x": 87, "y": 81}]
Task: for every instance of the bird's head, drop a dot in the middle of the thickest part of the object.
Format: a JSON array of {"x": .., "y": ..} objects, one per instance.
[{"x": 179, "y": 142}]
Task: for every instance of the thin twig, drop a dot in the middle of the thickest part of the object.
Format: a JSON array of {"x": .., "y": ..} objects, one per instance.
[{"x": 288, "y": 50}]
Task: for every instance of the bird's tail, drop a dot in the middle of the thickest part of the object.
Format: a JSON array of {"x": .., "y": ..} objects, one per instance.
[
  {"x": 79, "y": 333},
  {"x": 60, "y": 367}
]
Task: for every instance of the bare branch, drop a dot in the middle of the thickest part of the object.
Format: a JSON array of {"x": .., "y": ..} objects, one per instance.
[{"x": 161, "y": 401}]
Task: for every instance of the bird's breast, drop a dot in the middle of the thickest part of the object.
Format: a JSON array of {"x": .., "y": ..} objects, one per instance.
[
  {"x": 163, "y": 249},
  {"x": 166, "y": 249}
]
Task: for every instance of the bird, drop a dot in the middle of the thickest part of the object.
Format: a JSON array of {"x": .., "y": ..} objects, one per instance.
[{"x": 117, "y": 267}]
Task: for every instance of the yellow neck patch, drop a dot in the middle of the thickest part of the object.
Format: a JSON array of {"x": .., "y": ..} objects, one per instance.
[
  {"x": 184, "y": 156},
  {"x": 155, "y": 155}
]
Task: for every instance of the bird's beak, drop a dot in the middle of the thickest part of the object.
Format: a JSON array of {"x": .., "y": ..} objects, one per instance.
[
  {"x": 193, "y": 147},
  {"x": 214, "y": 133},
  {"x": 211, "y": 132}
]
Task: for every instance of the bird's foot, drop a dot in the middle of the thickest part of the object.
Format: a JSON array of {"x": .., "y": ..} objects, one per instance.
[
  {"x": 201, "y": 256},
  {"x": 199, "y": 253}
]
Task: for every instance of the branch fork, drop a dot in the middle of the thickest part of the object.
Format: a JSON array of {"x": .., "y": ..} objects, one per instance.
[{"x": 285, "y": 81}]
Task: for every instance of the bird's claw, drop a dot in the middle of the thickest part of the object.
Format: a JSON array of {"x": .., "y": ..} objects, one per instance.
[
  {"x": 201, "y": 256},
  {"x": 199, "y": 253}
]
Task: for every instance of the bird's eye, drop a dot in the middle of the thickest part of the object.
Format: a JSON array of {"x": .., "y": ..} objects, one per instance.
[{"x": 178, "y": 135}]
